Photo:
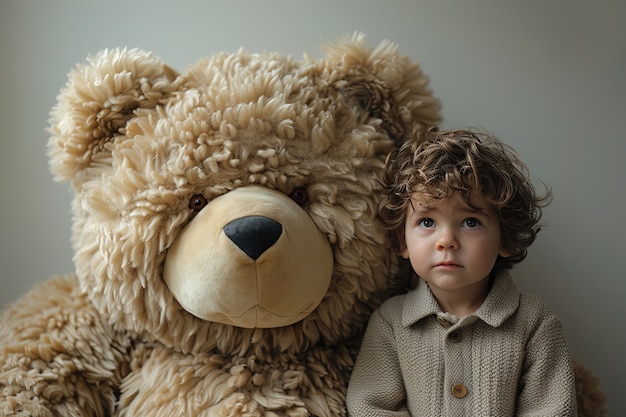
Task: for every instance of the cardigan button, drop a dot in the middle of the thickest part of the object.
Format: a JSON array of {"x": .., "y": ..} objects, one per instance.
[
  {"x": 455, "y": 336},
  {"x": 459, "y": 390}
]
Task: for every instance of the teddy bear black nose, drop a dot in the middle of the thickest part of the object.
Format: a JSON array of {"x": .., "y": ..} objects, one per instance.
[{"x": 253, "y": 234}]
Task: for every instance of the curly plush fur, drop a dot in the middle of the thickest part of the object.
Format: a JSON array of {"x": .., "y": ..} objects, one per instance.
[{"x": 145, "y": 148}]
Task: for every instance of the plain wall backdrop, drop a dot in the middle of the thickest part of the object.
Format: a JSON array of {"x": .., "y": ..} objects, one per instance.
[{"x": 548, "y": 77}]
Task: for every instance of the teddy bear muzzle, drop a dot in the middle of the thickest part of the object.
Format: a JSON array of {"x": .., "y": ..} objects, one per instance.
[{"x": 251, "y": 258}]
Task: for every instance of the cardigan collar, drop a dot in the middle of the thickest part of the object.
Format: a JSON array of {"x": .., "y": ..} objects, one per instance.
[{"x": 501, "y": 302}]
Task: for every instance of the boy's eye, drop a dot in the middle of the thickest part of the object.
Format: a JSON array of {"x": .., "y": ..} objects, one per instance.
[
  {"x": 426, "y": 222},
  {"x": 472, "y": 222}
]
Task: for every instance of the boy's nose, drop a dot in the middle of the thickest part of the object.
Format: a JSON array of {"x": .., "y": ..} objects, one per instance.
[{"x": 447, "y": 240}]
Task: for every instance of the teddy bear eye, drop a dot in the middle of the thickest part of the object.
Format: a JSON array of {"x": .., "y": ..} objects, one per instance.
[
  {"x": 300, "y": 196},
  {"x": 197, "y": 202}
]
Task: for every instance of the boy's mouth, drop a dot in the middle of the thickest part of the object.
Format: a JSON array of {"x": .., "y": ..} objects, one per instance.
[{"x": 447, "y": 264}]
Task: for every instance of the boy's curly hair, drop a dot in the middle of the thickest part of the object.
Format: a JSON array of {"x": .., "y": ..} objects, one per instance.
[{"x": 438, "y": 163}]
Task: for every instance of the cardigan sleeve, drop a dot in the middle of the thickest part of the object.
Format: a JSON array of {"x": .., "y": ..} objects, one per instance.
[
  {"x": 547, "y": 384},
  {"x": 376, "y": 386}
]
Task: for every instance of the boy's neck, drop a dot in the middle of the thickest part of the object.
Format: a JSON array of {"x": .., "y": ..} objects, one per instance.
[{"x": 462, "y": 302}]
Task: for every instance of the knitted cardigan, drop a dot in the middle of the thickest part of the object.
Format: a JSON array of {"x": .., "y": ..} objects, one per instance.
[{"x": 509, "y": 358}]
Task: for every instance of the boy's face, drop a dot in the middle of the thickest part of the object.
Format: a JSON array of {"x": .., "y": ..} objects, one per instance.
[{"x": 450, "y": 244}]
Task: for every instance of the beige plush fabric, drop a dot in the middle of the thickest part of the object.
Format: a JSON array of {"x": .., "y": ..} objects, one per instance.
[{"x": 174, "y": 308}]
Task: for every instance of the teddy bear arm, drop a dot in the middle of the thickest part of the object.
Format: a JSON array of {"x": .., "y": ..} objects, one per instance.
[{"x": 56, "y": 355}]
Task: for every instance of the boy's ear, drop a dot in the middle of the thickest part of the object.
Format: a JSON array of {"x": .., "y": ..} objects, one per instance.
[
  {"x": 504, "y": 253},
  {"x": 404, "y": 251}
]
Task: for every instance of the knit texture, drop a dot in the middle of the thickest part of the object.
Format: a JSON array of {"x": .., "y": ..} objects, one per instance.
[{"x": 509, "y": 358}]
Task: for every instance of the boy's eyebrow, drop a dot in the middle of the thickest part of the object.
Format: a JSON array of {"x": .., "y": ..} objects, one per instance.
[
  {"x": 480, "y": 211},
  {"x": 477, "y": 210}
]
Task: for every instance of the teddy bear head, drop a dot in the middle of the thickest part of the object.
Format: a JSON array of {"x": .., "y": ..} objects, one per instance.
[{"x": 234, "y": 205}]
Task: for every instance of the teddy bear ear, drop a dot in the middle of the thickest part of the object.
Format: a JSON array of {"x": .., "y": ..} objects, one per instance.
[
  {"x": 386, "y": 84},
  {"x": 98, "y": 100}
]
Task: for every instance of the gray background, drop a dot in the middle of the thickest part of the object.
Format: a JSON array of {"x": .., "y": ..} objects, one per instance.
[{"x": 545, "y": 76}]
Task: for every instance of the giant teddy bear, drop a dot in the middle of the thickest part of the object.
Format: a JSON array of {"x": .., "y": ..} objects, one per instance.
[{"x": 227, "y": 248}]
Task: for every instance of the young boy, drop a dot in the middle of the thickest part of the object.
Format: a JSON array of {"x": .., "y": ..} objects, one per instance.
[{"x": 465, "y": 341}]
